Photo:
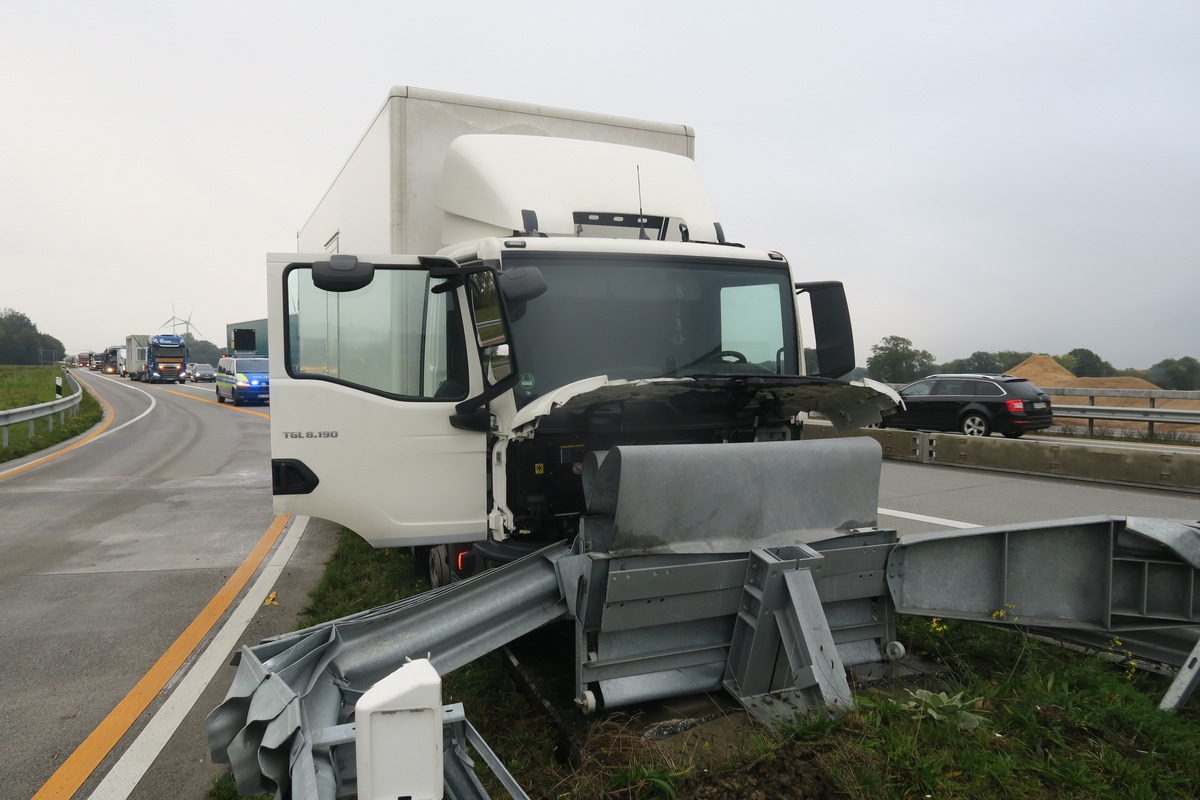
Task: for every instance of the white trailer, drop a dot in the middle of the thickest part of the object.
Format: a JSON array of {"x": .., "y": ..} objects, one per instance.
[
  {"x": 569, "y": 289},
  {"x": 136, "y": 355}
]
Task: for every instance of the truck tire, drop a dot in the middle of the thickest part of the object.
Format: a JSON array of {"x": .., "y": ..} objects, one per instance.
[
  {"x": 237, "y": 401},
  {"x": 220, "y": 397},
  {"x": 439, "y": 565}
]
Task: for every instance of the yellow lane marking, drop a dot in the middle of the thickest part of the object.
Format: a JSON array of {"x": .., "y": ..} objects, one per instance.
[
  {"x": 215, "y": 403},
  {"x": 110, "y": 415},
  {"x": 83, "y": 762}
]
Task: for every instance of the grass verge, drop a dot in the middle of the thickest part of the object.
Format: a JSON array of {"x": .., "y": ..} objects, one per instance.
[
  {"x": 25, "y": 386},
  {"x": 1010, "y": 716}
]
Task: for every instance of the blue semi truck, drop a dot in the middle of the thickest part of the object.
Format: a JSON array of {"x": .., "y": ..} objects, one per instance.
[{"x": 156, "y": 359}]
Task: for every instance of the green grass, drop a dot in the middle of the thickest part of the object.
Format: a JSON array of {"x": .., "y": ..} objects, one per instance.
[
  {"x": 1009, "y": 716},
  {"x": 22, "y": 386},
  {"x": 25, "y": 386}
]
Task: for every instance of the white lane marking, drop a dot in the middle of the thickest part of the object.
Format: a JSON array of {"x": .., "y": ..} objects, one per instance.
[
  {"x": 153, "y": 403},
  {"x": 123, "y": 778},
  {"x": 949, "y": 523}
]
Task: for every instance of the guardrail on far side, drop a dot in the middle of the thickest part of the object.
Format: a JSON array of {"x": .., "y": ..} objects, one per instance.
[
  {"x": 62, "y": 408},
  {"x": 1147, "y": 411},
  {"x": 1177, "y": 469}
]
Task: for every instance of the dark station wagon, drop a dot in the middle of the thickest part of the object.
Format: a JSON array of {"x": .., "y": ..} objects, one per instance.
[{"x": 975, "y": 405}]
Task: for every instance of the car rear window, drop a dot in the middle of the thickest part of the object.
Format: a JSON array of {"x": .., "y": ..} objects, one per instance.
[{"x": 1022, "y": 388}]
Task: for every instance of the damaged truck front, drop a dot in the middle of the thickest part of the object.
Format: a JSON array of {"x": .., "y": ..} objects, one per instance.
[{"x": 583, "y": 297}]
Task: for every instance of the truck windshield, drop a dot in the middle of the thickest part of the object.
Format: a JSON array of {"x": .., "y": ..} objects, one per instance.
[{"x": 633, "y": 318}]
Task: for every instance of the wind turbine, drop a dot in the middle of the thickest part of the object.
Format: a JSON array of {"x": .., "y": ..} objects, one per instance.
[{"x": 175, "y": 322}]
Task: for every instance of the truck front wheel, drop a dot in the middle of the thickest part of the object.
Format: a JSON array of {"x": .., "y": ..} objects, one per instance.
[
  {"x": 220, "y": 397},
  {"x": 439, "y": 566}
]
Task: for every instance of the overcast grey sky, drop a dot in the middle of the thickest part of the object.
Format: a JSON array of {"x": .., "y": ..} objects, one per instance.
[{"x": 981, "y": 175}]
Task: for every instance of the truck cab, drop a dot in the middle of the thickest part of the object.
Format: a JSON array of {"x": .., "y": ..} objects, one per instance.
[
  {"x": 428, "y": 401},
  {"x": 584, "y": 297},
  {"x": 166, "y": 355}
]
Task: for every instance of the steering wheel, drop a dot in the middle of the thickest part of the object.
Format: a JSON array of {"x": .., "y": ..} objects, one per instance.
[{"x": 732, "y": 355}]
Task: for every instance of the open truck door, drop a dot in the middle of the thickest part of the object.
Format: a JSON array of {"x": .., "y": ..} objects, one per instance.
[{"x": 378, "y": 393}]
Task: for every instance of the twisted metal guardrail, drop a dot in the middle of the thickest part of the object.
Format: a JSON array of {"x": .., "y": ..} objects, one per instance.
[{"x": 60, "y": 407}]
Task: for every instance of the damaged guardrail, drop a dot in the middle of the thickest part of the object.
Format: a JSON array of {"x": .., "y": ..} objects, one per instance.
[{"x": 755, "y": 568}]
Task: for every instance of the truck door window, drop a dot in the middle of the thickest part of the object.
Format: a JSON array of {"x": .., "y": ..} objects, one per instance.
[{"x": 393, "y": 337}]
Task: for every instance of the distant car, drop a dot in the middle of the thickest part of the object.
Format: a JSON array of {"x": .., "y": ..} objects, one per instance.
[
  {"x": 202, "y": 372},
  {"x": 243, "y": 378},
  {"x": 975, "y": 405}
]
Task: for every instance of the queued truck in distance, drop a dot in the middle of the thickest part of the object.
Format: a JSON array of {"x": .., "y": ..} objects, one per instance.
[
  {"x": 113, "y": 356},
  {"x": 489, "y": 291},
  {"x": 155, "y": 359}
]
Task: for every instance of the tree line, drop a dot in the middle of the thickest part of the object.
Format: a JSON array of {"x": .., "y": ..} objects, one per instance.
[
  {"x": 895, "y": 360},
  {"x": 22, "y": 343}
]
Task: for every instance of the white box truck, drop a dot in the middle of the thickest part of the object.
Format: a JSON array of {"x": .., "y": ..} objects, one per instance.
[
  {"x": 136, "y": 354},
  {"x": 491, "y": 290}
]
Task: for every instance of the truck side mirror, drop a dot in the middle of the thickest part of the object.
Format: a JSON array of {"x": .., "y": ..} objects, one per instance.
[
  {"x": 521, "y": 284},
  {"x": 832, "y": 328},
  {"x": 342, "y": 273}
]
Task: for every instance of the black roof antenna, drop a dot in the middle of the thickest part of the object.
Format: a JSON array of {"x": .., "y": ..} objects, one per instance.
[{"x": 641, "y": 216}]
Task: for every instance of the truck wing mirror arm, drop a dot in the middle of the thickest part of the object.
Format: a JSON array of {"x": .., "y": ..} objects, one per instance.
[
  {"x": 446, "y": 269},
  {"x": 472, "y": 404}
]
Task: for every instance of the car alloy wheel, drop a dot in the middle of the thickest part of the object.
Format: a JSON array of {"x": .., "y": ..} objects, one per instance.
[{"x": 974, "y": 425}]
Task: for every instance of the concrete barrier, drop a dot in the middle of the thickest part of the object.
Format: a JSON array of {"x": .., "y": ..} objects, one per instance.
[{"x": 1177, "y": 470}]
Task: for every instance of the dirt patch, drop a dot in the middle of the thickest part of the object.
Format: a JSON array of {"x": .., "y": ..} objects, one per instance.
[
  {"x": 1048, "y": 373},
  {"x": 793, "y": 772},
  {"x": 1044, "y": 371},
  {"x": 718, "y": 759}
]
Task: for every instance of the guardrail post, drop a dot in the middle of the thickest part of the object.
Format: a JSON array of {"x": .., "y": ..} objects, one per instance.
[
  {"x": 1091, "y": 421},
  {"x": 1150, "y": 434}
]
